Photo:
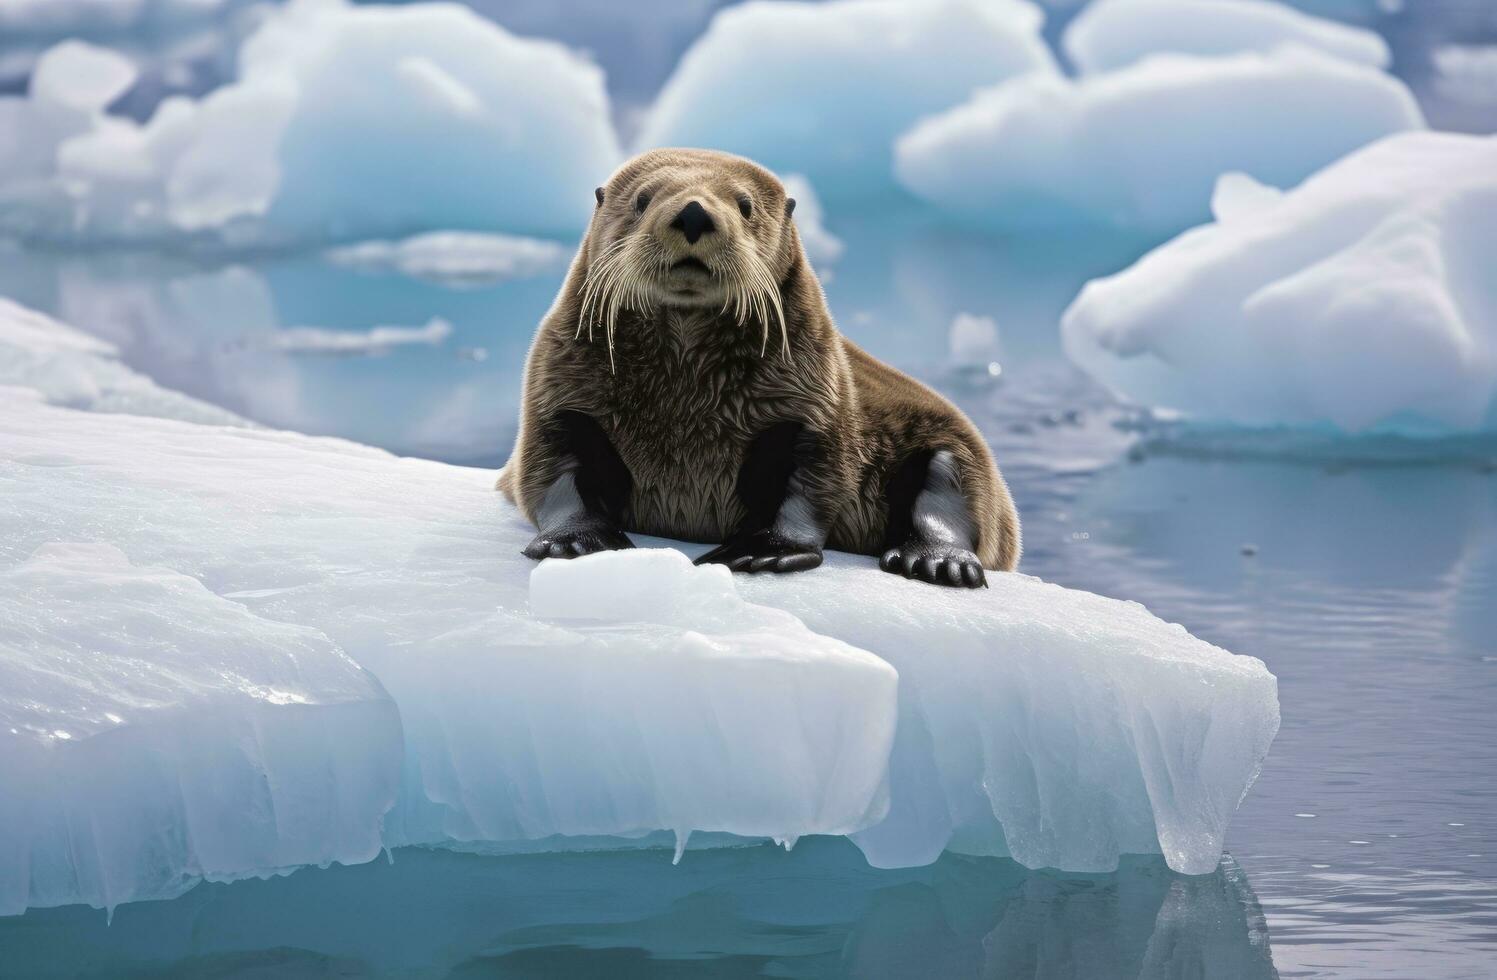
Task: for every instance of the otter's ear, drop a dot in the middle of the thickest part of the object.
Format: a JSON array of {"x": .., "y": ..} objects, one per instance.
[
  {"x": 598, "y": 193},
  {"x": 789, "y": 206}
]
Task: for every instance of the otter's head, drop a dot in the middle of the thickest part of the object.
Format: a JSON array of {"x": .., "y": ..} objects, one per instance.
[{"x": 689, "y": 229}]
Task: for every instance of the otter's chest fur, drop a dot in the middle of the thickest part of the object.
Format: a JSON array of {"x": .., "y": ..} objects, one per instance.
[{"x": 681, "y": 407}]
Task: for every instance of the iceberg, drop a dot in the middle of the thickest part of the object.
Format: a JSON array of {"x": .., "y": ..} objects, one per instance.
[
  {"x": 1361, "y": 299},
  {"x": 608, "y": 697},
  {"x": 344, "y": 123},
  {"x": 822, "y": 89},
  {"x": 1112, "y": 34},
  {"x": 454, "y": 258},
  {"x": 1044, "y": 151}
]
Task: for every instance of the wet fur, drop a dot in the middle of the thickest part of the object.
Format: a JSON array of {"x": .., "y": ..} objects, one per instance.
[{"x": 682, "y": 392}]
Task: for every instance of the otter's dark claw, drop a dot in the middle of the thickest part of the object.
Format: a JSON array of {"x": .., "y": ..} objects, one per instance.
[
  {"x": 576, "y": 540},
  {"x": 763, "y": 551},
  {"x": 937, "y": 564}
]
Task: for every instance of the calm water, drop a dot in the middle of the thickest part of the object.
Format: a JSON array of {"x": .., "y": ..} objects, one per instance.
[{"x": 1364, "y": 573}]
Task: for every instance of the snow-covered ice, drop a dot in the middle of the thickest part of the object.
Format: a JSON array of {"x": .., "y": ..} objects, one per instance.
[
  {"x": 344, "y": 122},
  {"x": 1111, "y": 34},
  {"x": 1045, "y": 150},
  {"x": 822, "y": 247},
  {"x": 69, "y": 367},
  {"x": 1362, "y": 298},
  {"x": 822, "y": 89},
  {"x": 610, "y": 696}
]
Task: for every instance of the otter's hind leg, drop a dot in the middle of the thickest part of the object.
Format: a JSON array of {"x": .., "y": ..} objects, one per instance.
[
  {"x": 781, "y": 531},
  {"x": 582, "y": 509},
  {"x": 930, "y": 535}
]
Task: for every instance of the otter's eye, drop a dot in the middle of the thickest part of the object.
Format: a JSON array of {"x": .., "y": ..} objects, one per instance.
[
  {"x": 641, "y": 202},
  {"x": 598, "y": 193},
  {"x": 789, "y": 206},
  {"x": 745, "y": 206}
]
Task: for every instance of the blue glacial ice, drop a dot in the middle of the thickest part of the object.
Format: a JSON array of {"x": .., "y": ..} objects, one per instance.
[
  {"x": 315, "y": 648},
  {"x": 822, "y": 89},
  {"x": 1361, "y": 299}
]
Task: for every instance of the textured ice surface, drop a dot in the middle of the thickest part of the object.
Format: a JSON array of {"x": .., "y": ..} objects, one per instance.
[
  {"x": 1110, "y": 34},
  {"x": 153, "y": 733},
  {"x": 822, "y": 89},
  {"x": 344, "y": 122},
  {"x": 69, "y": 367},
  {"x": 1046, "y": 150},
  {"x": 1362, "y": 298},
  {"x": 615, "y": 695}
]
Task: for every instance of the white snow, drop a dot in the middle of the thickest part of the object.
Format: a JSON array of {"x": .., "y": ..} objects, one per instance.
[
  {"x": 822, "y": 89},
  {"x": 69, "y": 367},
  {"x": 610, "y": 696},
  {"x": 1112, "y": 34},
  {"x": 375, "y": 340},
  {"x": 1362, "y": 298},
  {"x": 1045, "y": 150},
  {"x": 344, "y": 123},
  {"x": 455, "y": 258}
]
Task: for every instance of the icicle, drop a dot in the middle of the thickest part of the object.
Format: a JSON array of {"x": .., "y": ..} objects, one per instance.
[{"x": 682, "y": 836}]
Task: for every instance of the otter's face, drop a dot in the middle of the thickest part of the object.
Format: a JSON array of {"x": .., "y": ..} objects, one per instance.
[{"x": 689, "y": 229}]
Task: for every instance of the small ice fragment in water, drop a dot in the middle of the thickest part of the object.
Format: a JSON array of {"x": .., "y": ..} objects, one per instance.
[{"x": 1304, "y": 814}]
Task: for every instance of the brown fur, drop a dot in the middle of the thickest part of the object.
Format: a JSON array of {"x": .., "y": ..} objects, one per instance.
[{"x": 684, "y": 390}]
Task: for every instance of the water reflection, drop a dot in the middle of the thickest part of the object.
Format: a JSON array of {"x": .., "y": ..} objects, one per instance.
[{"x": 745, "y": 911}]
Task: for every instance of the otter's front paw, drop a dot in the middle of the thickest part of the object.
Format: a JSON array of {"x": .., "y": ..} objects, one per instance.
[
  {"x": 939, "y": 564},
  {"x": 763, "y": 551},
  {"x": 575, "y": 540}
]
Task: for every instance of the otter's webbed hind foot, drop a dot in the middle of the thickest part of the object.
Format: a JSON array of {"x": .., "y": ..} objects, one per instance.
[
  {"x": 581, "y": 511},
  {"x": 763, "y": 551},
  {"x": 781, "y": 530},
  {"x": 930, "y": 536}
]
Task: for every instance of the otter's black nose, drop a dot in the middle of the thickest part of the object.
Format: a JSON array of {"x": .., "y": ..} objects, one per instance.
[{"x": 693, "y": 222}]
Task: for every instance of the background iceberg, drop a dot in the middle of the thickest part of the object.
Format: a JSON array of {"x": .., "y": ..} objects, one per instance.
[
  {"x": 1362, "y": 298},
  {"x": 319, "y": 137},
  {"x": 1046, "y": 150},
  {"x": 1111, "y": 34},
  {"x": 822, "y": 89}
]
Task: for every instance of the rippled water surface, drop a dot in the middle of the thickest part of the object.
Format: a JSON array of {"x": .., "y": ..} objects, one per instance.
[{"x": 1364, "y": 573}]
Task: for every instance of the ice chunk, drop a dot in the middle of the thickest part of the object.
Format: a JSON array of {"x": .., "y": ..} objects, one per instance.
[
  {"x": 1362, "y": 298},
  {"x": 68, "y": 367},
  {"x": 1045, "y": 150},
  {"x": 822, "y": 89},
  {"x": 153, "y": 734},
  {"x": 344, "y": 123},
  {"x": 81, "y": 76},
  {"x": 375, "y": 340},
  {"x": 1137, "y": 115},
  {"x": 973, "y": 339},
  {"x": 1111, "y": 34},
  {"x": 455, "y": 258}
]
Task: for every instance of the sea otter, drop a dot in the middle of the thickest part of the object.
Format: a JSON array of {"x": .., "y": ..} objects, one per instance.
[{"x": 689, "y": 382}]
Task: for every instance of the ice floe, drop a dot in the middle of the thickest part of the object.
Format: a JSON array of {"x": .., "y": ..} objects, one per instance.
[
  {"x": 608, "y": 697},
  {"x": 1141, "y": 147},
  {"x": 1361, "y": 299},
  {"x": 455, "y": 258}
]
